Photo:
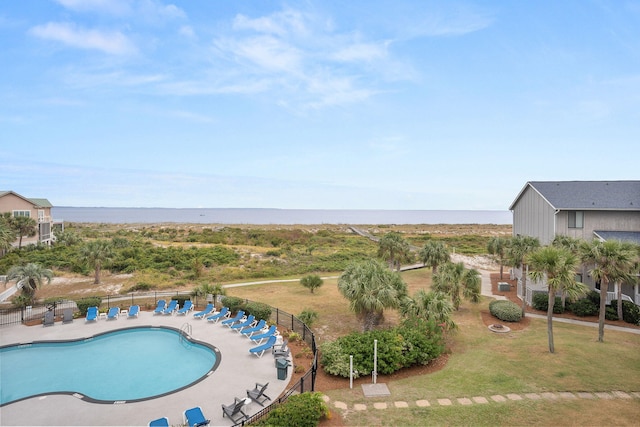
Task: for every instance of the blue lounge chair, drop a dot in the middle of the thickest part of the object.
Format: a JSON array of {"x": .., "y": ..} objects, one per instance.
[
  {"x": 113, "y": 313},
  {"x": 160, "y": 422},
  {"x": 160, "y": 307},
  {"x": 222, "y": 314},
  {"x": 134, "y": 310},
  {"x": 188, "y": 305},
  {"x": 238, "y": 317},
  {"x": 92, "y": 314},
  {"x": 262, "y": 324},
  {"x": 270, "y": 332},
  {"x": 250, "y": 320},
  {"x": 173, "y": 306},
  {"x": 207, "y": 310},
  {"x": 195, "y": 417},
  {"x": 259, "y": 350}
]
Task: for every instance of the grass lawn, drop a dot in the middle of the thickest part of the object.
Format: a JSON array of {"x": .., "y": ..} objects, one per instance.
[{"x": 484, "y": 364}]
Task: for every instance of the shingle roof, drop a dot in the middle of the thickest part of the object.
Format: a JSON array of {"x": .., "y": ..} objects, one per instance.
[
  {"x": 588, "y": 195},
  {"x": 38, "y": 202}
]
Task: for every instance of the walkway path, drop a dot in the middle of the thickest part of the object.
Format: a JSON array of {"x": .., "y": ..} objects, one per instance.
[{"x": 482, "y": 400}]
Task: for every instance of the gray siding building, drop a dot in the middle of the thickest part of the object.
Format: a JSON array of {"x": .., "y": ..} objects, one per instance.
[{"x": 579, "y": 209}]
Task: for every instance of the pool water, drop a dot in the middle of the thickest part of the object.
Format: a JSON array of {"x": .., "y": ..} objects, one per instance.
[{"x": 123, "y": 365}]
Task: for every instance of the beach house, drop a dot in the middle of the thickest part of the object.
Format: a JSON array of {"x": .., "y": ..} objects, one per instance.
[
  {"x": 579, "y": 209},
  {"x": 38, "y": 209}
]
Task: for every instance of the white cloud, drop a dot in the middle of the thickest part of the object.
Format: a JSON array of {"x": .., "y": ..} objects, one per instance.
[
  {"x": 112, "y": 42},
  {"x": 146, "y": 9},
  {"x": 279, "y": 23},
  {"x": 361, "y": 52},
  {"x": 113, "y": 7},
  {"x": 268, "y": 52}
]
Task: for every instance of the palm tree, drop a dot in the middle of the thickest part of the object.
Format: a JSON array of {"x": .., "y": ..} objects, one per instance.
[
  {"x": 96, "y": 253},
  {"x": 7, "y": 235},
  {"x": 29, "y": 278},
  {"x": 311, "y": 282},
  {"x": 517, "y": 251},
  {"x": 454, "y": 279},
  {"x": 370, "y": 287},
  {"x": 24, "y": 226},
  {"x": 557, "y": 266},
  {"x": 394, "y": 249},
  {"x": 572, "y": 245},
  {"x": 430, "y": 305},
  {"x": 433, "y": 254},
  {"x": 498, "y": 246},
  {"x": 612, "y": 260}
]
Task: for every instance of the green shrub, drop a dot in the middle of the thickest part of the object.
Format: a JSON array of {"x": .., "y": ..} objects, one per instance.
[
  {"x": 181, "y": 299},
  {"x": 630, "y": 311},
  {"x": 611, "y": 313},
  {"x": 141, "y": 286},
  {"x": 584, "y": 307},
  {"x": 84, "y": 303},
  {"x": 300, "y": 410},
  {"x": 541, "y": 302},
  {"x": 258, "y": 309},
  {"x": 308, "y": 316},
  {"x": 415, "y": 341},
  {"x": 233, "y": 303},
  {"x": 505, "y": 310},
  {"x": 594, "y": 297}
]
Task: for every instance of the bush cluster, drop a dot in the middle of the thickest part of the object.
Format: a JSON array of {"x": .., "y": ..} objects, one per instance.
[
  {"x": 414, "y": 342},
  {"x": 541, "y": 302},
  {"x": 84, "y": 303},
  {"x": 233, "y": 303},
  {"x": 505, "y": 310},
  {"x": 584, "y": 307},
  {"x": 301, "y": 410},
  {"x": 258, "y": 309},
  {"x": 630, "y": 311}
]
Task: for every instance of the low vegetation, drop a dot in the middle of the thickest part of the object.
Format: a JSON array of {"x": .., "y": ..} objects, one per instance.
[{"x": 505, "y": 310}]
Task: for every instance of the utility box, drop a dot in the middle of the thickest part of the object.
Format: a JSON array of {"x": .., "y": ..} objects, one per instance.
[
  {"x": 504, "y": 287},
  {"x": 282, "y": 365}
]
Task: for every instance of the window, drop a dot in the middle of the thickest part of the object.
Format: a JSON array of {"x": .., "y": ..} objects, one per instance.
[
  {"x": 576, "y": 219},
  {"x": 579, "y": 277},
  {"x": 22, "y": 213}
]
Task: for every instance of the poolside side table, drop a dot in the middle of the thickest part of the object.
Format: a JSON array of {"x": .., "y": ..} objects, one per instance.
[{"x": 103, "y": 316}]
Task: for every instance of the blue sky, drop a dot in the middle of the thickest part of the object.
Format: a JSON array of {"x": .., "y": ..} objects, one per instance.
[{"x": 314, "y": 104}]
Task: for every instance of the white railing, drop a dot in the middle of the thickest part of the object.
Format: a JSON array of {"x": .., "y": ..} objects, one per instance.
[
  {"x": 614, "y": 296},
  {"x": 44, "y": 219}
]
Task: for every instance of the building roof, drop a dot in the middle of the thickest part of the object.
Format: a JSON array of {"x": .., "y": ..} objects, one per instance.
[
  {"x": 37, "y": 202},
  {"x": 623, "y": 236},
  {"x": 587, "y": 195}
]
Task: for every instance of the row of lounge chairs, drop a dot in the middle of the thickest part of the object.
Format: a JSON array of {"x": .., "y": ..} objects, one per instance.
[
  {"x": 247, "y": 325},
  {"x": 194, "y": 417},
  {"x": 173, "y": 307},
  {"x": 113, "y": 313}
]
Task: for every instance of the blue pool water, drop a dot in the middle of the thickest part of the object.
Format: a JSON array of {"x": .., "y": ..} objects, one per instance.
[{"x": 124, "y": 365}]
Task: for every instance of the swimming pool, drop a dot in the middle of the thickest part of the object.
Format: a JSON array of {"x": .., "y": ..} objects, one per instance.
[{"x": 120, "y": 366}]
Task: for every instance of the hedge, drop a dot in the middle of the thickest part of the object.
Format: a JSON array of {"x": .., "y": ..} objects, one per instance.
[{"x": 505, "y": 310}]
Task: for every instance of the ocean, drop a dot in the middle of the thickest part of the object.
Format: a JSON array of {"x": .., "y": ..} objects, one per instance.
[{"x": 260, "y": 216}]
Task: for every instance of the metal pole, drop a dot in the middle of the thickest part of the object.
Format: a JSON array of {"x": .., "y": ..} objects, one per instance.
[
  {"x": 375, "y": 361},
  {"x": 351, "y": 371}
]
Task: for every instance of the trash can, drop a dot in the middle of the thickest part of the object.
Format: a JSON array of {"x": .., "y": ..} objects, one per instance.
[{"x": 282, "y": 365}]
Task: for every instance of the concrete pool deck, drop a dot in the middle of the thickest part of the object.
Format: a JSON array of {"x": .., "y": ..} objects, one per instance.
[{"x": 238, "y": 371}]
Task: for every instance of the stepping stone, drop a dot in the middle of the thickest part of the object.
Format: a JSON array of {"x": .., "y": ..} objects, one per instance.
[
  {"x": 444, "y": 402},
  {"x": 585, "y": 395},
  {"x": 567, "y": 395},
  {"x": 423, "y": 403},
  {"x": 498, "y": 398},
  {"x": 480, "y": 399},
  {"x": 513, "y": 396},
  {"x": 401, "y": 404},
  {"x": 621, "y": 395},
  {"x": 532, "y": 396},
  {"x": 380, "y": 405},
  {"x": 464, "y": 401},
  {"x": 549, "y": 395},
  {"x": 603, "y": 395},
  {"x": 340, "y": 405},
  {"x": 360, "y": 407},
  {"x": 326, "y": 398}
]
